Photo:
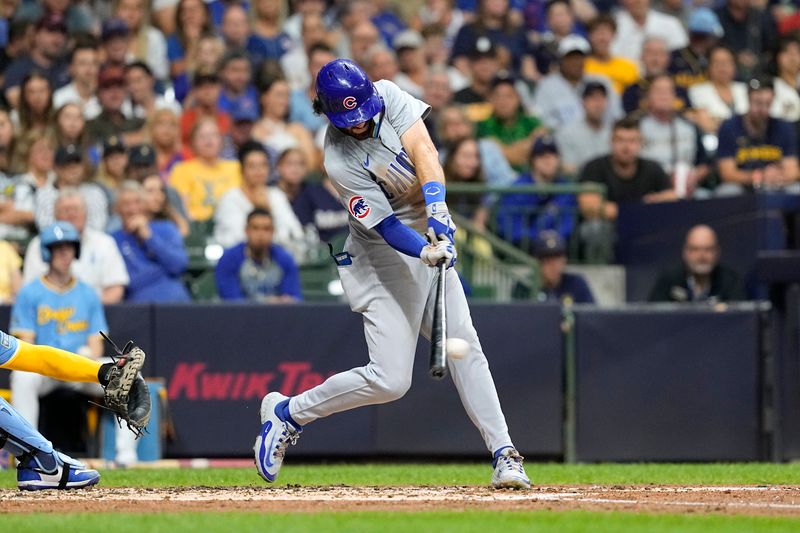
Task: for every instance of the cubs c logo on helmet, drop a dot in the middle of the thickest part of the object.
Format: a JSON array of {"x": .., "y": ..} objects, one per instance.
[
  {"x": 358, "y": 207},
  {"x": 350, "y": 102}
]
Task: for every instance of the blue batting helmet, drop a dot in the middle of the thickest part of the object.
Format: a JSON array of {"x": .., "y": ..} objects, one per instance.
[
  {"x": 60, "y": 232},
  {"x": 346, "y": 95}
]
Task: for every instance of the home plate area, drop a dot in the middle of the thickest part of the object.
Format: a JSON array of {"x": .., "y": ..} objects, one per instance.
[{"x": 747, "y": 500}]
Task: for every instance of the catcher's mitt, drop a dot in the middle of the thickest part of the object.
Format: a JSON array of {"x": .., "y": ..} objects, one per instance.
[{"x": 126, "y": 393}]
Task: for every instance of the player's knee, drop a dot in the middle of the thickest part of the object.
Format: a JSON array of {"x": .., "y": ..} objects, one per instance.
[{"x": 394, "y": 388}]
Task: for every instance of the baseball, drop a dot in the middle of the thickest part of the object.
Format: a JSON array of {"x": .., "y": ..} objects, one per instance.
[{"x": 456, "y": 348}]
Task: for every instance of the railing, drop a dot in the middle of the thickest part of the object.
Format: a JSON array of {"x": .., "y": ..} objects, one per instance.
[{"x": 517, "y": 213}]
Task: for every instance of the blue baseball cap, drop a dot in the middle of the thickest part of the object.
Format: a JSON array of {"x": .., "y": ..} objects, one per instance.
[
  {"x": 549, "y": 243},
  {"x": 703, "y": 20},
  {"x": 544, "y": 145},
  {"x": 244, "y": 113}
]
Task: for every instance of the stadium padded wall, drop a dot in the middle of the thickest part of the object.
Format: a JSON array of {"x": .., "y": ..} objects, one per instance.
[
  {"x": 652, "y": 384},
  {"x": 662, "y": 385}
]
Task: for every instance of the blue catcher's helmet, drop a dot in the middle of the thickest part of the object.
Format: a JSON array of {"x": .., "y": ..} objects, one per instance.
[
  {"x": 346, "y": 95},
  {"x": 58, "y": 233}
]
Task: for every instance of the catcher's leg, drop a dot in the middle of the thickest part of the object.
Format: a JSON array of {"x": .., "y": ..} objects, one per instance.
[
  {"x": 40, "y": 466},
  {"x": 52, "y": 362}
]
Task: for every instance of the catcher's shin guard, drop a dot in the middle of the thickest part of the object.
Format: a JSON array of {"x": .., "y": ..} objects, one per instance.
[{"x": 20, "y": 438}]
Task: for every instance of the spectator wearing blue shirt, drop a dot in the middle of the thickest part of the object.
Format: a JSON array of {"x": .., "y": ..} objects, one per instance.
[
  {"x": 238, "y": 93},
  {"x": 45, "y": 57},
  {"x": 556, "y": 285},
  {"x": 268, "y": 40},
  {"x": 257, "y": 269},
  {"x": 756, "y": 150},
  {"x": 152, "y": 249},
  {"x": 521, "y": 217},
  {"x": 192, "y": 23}
]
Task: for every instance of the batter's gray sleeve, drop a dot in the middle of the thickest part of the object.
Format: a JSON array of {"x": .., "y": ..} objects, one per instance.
[{"x": 402, "y": 109}]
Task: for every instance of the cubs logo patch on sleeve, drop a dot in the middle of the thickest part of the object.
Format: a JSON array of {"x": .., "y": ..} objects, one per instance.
[{"x": 358, "y": 207}]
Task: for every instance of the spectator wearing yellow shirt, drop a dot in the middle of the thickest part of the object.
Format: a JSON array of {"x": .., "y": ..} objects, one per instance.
[
  {"x": 619, "y": 70},
  {"x": 203, "y": 180},
  {"x": 10, "y": 274}
]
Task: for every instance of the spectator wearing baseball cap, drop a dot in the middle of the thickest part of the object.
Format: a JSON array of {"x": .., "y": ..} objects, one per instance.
[
  {"x": 509, "y": 125},
  {"x": 621, "y": 71},
  {"x": 206, "y": 90},
  {"x": 49, "y": 45},
  {"x": 583, "y": 140},
  {"x": 482, "y": 68},
  {"x": 242, "y": 121},
  {"x": 71, "y": 171},
  {"x": 557, "y": 285},
  {"x": 114, "y": 41},
  {"x": 689, "y": 65},
  {"x": 521, "y": 216},
  {"x": 141, "y": 86},
  {"x": 493, "y": 21},
  {"x": 112, "y": 94},
  {"x": 558, "y": 95}
]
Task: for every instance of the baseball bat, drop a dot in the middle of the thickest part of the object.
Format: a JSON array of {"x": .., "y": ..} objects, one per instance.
[{"x": 438, "y": 362}]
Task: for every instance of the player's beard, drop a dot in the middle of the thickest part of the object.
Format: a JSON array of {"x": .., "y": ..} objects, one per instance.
[{"x": 366, "y": 134}]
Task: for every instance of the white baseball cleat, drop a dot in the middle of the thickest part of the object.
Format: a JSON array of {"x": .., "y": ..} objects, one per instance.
[
  {"x": 275, "y": 435},
  {"x": 508, "y": 470}
]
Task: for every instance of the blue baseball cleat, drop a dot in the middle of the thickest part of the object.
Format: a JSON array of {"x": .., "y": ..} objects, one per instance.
[
  {"x": 275, "y": 435},
  {"x": 70, "y": 474},
  {"x": 508, "y": 470}
]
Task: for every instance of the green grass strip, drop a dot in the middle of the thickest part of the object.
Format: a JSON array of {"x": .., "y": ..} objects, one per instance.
[
  {"x": 440, "y": 522},
  {"x": 457, "y": 474}
]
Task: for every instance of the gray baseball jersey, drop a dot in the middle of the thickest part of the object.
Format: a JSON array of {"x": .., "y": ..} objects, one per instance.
[
  {"x": 374, "y": 177},
  {"x": 394, "y": 292}
]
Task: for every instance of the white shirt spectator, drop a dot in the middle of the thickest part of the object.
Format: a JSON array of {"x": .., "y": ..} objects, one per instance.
[
  {"x": 100, "y": 264},
  {"x": 705, "y": 96},
  {"x": 230, "y": 219},
  {"x": 786, "y": 104},
  {"x": 157, "y": 53},
  {"x": 68, "y": 94},
  {"x": 558, "y": 102},
  {"x": 294, "y": 65},
  {"x": 668, "y": 143},
  {"x": 630, "y": 36},
  {"x": 94, "y": 197}
]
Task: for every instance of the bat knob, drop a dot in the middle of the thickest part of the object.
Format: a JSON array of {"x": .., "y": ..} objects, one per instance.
[{"x": 438, "y": 373}]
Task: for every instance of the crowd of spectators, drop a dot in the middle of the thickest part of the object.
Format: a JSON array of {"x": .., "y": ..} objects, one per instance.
[{"x": 142, "y": 123}]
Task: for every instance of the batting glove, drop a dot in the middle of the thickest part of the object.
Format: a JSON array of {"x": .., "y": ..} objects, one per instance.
[
  {"x": 440, "y": 222},
  {"x": 438, "y": 215},
  {"x": 438, "y": 250}
]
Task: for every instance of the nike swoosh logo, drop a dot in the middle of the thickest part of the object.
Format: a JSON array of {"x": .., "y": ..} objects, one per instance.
[
  {"x": 263, "y": 457},
  {"x": 366, "y": 162}
]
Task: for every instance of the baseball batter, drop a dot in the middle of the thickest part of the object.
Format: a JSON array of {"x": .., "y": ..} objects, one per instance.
[{"x": 386, "y": 170}]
